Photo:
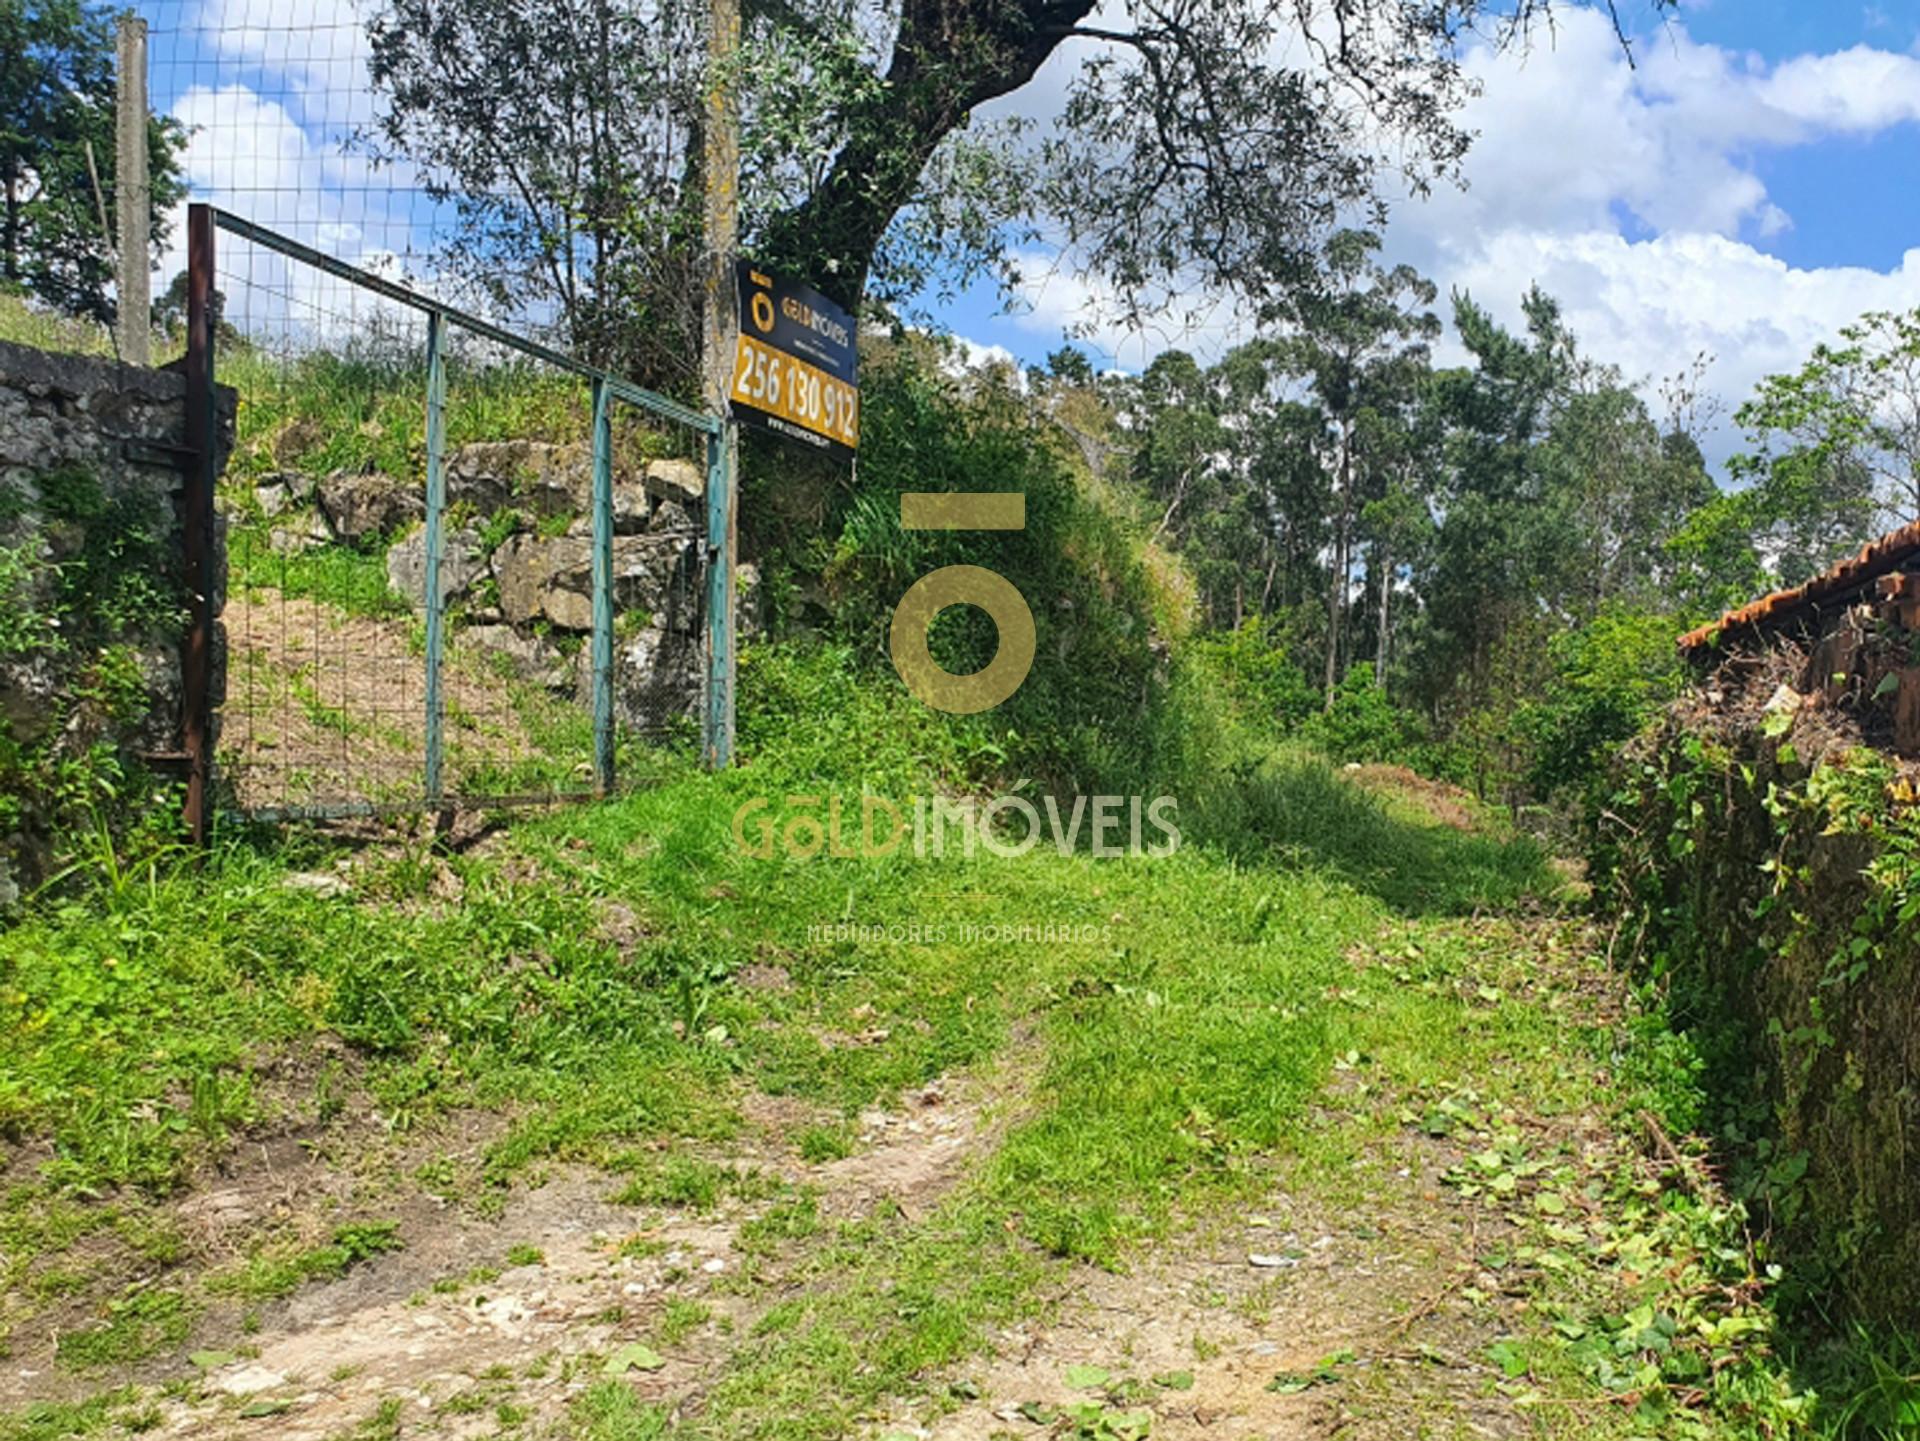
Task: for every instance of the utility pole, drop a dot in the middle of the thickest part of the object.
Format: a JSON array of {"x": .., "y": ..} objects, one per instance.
[
  {"x": 132, "y": 192},
  {"x": 719, "y": 337}
]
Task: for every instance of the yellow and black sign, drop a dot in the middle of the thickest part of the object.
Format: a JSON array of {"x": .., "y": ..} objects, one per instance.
[{"x": 793, "y": 373}]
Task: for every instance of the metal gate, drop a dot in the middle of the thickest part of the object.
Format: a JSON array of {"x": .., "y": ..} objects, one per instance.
[{"x": 463, "y": 568}]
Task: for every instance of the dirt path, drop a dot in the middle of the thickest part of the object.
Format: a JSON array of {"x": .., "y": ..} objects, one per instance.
[
  {"x": 1448, "y": 1183},
  {"x": 327, "y": 706},
  {"x": 485, "y": 1325},
  {"x": 1275, "y": 1322}
]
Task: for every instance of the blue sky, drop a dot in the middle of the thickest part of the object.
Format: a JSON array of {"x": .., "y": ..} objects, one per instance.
[
  {"x": 1753, "y": 184},
  {"x": 1750, "y": 187},
  {"x": 1854, "y": 200}
]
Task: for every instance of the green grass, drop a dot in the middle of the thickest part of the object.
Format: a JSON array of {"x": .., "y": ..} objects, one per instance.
[
  {"x": 1294, "y": 810},
  {"x": 136, "y": 1326},
  {"x": 56, "y": 1421},
  {"x": 609, "y": 1411},
  {"x": 1177, "y": 1062},
  {"x": 321, "y": 411},
  {"x": 25, "y": 323},
  {"x": 348, "y": 579},
  {"x": 276, "y": 1272},
  {"x": 1181, "y": 1043}
]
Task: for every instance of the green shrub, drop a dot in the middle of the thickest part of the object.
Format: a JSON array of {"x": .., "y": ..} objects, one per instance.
[
  {"x": 1609, "y": 676},
  {"x": 1259, "y": 679},
  {"x": 1361, "y": 724},
  {"x": 1091, "y": 712},
  {"x": 84, "y": 584}
]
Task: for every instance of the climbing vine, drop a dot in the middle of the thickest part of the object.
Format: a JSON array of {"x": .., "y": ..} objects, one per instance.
[{"x": 1771, "y": 902}]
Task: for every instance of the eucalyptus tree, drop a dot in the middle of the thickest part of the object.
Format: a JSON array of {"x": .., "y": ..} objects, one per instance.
[
  {"x": 1402, "y": 446},
  {"x": 1181, "y": 453},
  {"x": 1361, "y": 346},
  {"x": 1623, "y": 491},
  {"x": 1497, "y": 540},
  {"x": 1275, "y": 430}
]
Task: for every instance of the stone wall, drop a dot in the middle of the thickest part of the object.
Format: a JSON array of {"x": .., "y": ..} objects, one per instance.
[
  {"x": 92, "y": 602},
  {"x": 516, "y": 574},
  {"x": 1765, "y": 866}
]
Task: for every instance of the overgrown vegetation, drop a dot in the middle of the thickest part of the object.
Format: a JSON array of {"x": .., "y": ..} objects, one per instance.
[
  {"x": 1770, "y": 897},
  {"x": 1311, "y": 592},
  {"x": 87, "y": 598}
]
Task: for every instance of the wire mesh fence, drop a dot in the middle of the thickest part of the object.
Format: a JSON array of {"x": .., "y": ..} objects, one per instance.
[
  {"x": 462, "y": 568},
  {"x": 278, "y": 107},
  {"x": 358, "y": 205},
  {"x": 442, "y": 143}
]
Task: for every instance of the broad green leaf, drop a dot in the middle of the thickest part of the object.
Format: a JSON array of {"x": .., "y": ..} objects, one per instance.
[
  {"x": 634, "y": 1356},
  {"x": 1508, "y": 1356}
]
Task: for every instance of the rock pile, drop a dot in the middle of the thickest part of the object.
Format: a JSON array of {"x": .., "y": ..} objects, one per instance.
[{"x": 516, "y": 566}]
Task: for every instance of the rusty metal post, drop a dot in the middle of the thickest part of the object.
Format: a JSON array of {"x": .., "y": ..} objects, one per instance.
[{"x": 197, "y": 526}]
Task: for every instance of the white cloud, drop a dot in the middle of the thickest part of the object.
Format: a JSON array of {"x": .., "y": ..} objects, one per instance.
[
  {"x": 1631, "y": 197},
  {"x": 1651, "y": 306},
  {"x": 1054, "y": 299},
  {"x": 1570, "y": 134},
  {"x": 1630, "y": 193},
  {"x": 248, "y": 154},
  {"x": 318, "y": 49},
  {"x": 972, "y": 355}
]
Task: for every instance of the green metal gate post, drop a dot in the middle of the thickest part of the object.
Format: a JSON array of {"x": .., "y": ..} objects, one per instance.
[
  {"x": 436, "y": 510},
  {"x": 717, "y": 728},
  {"x": 602, "y": 589}
]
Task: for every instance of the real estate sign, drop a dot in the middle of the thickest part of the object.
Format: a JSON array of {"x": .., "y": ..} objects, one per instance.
[{"x": 793, "y": 373}]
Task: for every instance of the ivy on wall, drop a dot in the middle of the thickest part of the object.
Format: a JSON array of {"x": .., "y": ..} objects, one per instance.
[{"x": 1773, "y": 903}]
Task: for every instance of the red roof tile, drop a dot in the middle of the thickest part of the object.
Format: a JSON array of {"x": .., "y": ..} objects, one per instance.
[{"x": 1875, "y": 560}]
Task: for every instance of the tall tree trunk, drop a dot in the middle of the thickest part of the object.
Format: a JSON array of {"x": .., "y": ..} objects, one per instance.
[
  {"x": 948, "y": 57},
  {"x": 1337, "y": 588},
  {"x": 1385, "y": 561}
]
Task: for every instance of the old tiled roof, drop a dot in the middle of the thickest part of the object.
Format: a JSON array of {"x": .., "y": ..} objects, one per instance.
[{"x": 1875, "y": 559}]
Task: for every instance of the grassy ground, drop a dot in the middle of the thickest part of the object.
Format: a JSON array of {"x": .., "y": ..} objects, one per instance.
[
  {"x": 593, "y": 1126},
  {"x": 617, "y": 991},
  {"x": 24, "y": 323}
]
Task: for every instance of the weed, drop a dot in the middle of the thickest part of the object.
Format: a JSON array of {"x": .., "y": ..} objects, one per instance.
[
  {"x": 824, "y": 1143},
  {"x": 682, "y": 1318},
  {"x": 279, "y": 1272},
  {"x": 137, "y": 1325},
  {"x": 609, "y": 1411},
  {"x": 57, "y": 1420}
]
